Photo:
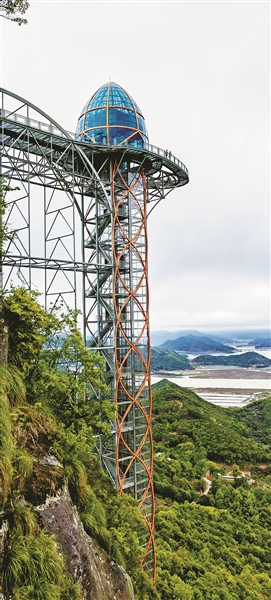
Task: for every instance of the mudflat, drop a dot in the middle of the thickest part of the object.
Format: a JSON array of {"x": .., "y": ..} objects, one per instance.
[{"x": 229, "y": 373}]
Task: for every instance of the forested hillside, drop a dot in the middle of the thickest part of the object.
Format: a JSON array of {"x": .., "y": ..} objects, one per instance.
[
  {"x": 257, "y": 418},
  {"x": 209, "y": 545},
  {"x": 168, "y": 360},
  {"x": 215, "y": 545}
]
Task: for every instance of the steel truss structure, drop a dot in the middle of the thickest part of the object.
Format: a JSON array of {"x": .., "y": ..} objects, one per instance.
[{"x": 79, "y": 216}]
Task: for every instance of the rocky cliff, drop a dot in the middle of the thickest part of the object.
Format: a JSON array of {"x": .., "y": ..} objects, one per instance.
[{"x": 86, "y": 561}]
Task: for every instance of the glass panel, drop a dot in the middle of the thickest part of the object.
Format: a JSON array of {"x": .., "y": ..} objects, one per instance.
[
  {"x": 83, "y": 137},
  {"x": 100, "y": 98},
  {"x": 120, "y": 116},
  {"x": 95, "y": 118},
  {"x": 137, "y": 107},
  {"x": 118, "y": 135},
  {"x": 80, "y": 125},
  {"x": 84, "y": 109},
  {"x": 118, "y": 97},
  {"x": 142, "y": 124},
  {"x": 136, "y": 141},
  {"x": 99, "y": 135}
]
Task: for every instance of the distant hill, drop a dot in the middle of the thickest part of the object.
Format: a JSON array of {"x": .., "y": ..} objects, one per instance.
[
  {"x": 168, "y": 360},
  {"x": 262, "y": 342},
  {"x": 192, "y": 343},
  {"x": 242, "y": 334},
  {"x": 160, "y": 336},
  {"x": 227, "y": 336},
  {"x": 248, "y": 359}
]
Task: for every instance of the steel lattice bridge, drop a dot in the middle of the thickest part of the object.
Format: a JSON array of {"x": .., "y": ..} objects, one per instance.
[{"x": 79, "y": 215}]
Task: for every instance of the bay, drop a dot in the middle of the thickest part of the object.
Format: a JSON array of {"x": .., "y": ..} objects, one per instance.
[
  {"x": 236, "y": 389},
  {"x": 221, "y": 391}
]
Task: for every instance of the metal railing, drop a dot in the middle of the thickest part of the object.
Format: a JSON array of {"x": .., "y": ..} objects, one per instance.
[
  {"x": 166, "y": 154},
  {"x": 29, "y": 122},
  {"x": 47, "y": 128}
]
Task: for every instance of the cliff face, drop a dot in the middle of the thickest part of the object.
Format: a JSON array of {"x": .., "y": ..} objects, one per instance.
[
  {"x": 87, "y": 563},
  {"x": 3, "y": 339}
]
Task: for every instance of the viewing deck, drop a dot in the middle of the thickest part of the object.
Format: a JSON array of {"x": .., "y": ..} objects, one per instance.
[{"x": 153, "y": 159}]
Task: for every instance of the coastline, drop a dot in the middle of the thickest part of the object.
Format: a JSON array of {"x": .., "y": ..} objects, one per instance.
[
  {"x": 217, "y": 372},
  {"x": 223, "y": 386}
]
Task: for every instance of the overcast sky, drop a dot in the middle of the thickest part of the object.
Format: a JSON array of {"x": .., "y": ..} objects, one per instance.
[{"x": 200, "y": 73}]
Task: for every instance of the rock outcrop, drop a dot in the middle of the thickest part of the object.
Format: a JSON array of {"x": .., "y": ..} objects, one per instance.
[{"x": 87, "y": 562}]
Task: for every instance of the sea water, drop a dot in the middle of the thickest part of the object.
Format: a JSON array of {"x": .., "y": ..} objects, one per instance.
[{"x": 224, "y": 392}]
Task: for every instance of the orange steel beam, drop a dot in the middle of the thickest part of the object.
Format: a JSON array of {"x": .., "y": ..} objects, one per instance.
[{"x": 123, "y": 243}]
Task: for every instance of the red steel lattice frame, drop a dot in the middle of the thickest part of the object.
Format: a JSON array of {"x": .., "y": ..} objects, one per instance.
[{"x": 137, "y": 296}]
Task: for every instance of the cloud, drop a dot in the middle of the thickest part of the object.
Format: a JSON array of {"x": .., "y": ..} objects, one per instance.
[
  {"x": 200, "y": 73},
  {"x": 207, "y": 298}
]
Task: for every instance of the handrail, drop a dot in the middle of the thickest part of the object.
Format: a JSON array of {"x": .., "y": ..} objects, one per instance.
[
  {"x": 44, "y": 127},
  {"x": 166, "y": 154}
]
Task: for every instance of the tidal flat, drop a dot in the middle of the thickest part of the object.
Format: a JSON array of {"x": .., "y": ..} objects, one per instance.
[{"x": 229, "y": 373}]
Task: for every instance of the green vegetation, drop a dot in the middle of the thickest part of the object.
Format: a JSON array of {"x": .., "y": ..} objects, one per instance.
[
  {"x": 180, "y": 416},
  {"x": 11, "y": 8},
  {"x": 247, "y": 359},
  {"x": 168, "y": 360},
  {"x": 53, "y": 404},
  {"x": 216, "y": 545},
  {"x": 256, "y": 416}
]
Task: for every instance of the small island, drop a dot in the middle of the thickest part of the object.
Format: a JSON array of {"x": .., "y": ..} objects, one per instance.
[
  {"x": 261, "y": 343},
  {"x": 192, "y": 343},
  {"x": 169, "y": 360},
  {"x": 246, "y": 360}
]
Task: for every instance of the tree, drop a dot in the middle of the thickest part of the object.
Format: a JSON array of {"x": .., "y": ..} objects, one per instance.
[
  {"x": 11, "y": 9},
  {"x": 50, "y": 353},
  {"x": 4, "y": 188}
]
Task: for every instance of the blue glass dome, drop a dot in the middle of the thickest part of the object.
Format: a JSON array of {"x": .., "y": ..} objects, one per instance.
[{"x": 111, "y": 116}]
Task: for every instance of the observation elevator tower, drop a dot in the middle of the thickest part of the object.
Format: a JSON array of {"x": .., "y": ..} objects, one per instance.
[{"x": 94, "y": 191}]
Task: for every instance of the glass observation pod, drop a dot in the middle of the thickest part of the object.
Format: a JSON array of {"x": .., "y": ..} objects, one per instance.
[{"x": 112, "y": 117}]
